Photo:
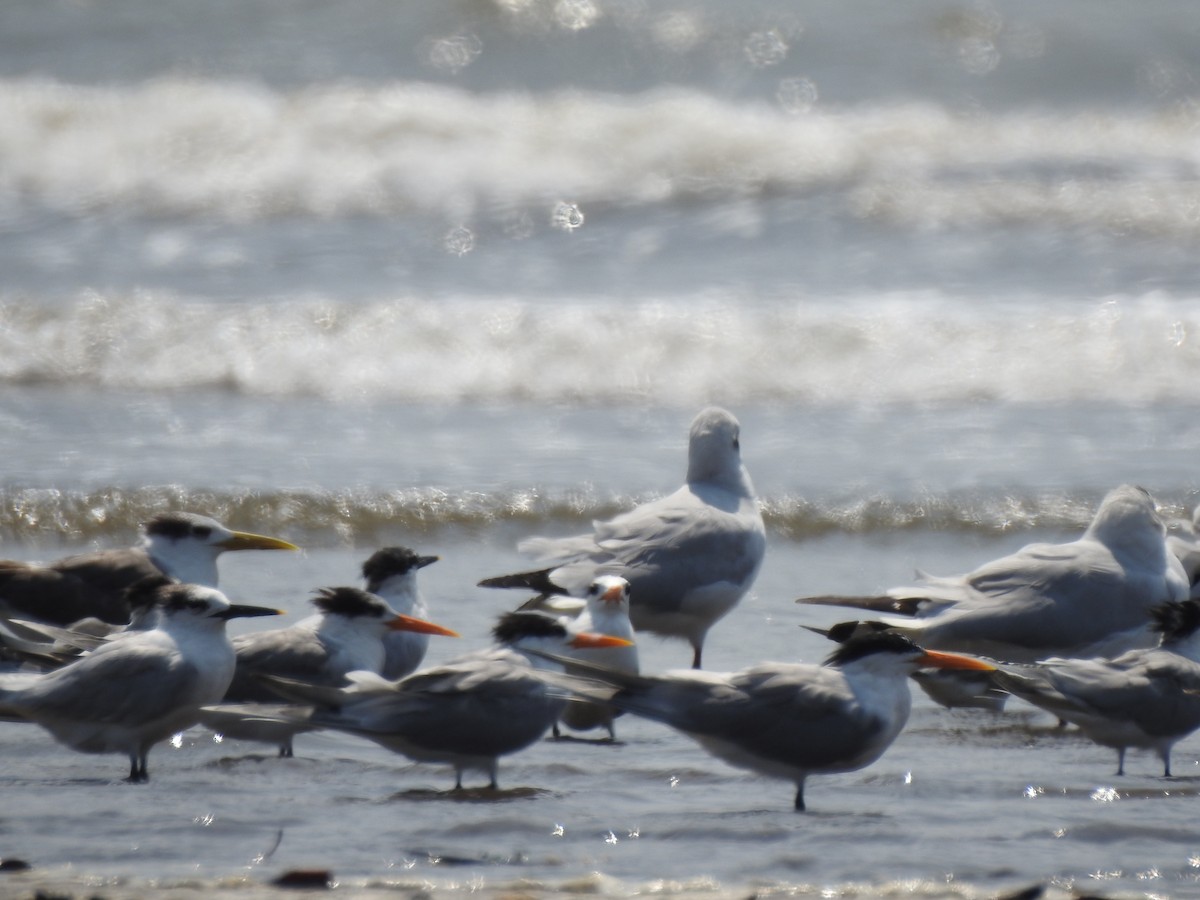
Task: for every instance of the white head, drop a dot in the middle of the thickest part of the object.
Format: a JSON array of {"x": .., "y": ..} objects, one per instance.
[
  {"x": 392, "y": 573},
  {"x": 714, "y": 449},
  {"x": 193, "y": 604},
  {"x": 354, "y": 608},
  {"x": 523, "y": 630},
  {"x": 186, "y": 545},
  {"x": 608, "y": 594},
  {"x": 889, "y": 653},
  {"x": 1128, "y": 523}
]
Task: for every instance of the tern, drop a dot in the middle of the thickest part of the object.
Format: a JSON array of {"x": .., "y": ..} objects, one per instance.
[
  {"x": 467, "y": 712},
  {"x": 347, "y": 634},
  {"x": 128, "y": 695},
  {"x": 181, "y": 545},
  {"x": 391, "y": 573},
  {"x": 784, "y": 720},
  {"x": 1090, "y": 597},
  {"x": 605, "y": 610},
  {"x": 1145, "y": 698},
  {"x": 689, "y": 557}
]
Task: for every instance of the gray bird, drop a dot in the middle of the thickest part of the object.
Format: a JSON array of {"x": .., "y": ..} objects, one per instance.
[
  {"x": 783, "y": 720},
  {"x": 689, "y": 557},
  {"x": 129, "y": 694}
]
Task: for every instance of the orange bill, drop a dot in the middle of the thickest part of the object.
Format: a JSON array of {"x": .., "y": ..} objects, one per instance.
[
  {"x": 420, "y": 626},
  {"x": 586, "y": 640},
  {"x": 936, "y": 660}
]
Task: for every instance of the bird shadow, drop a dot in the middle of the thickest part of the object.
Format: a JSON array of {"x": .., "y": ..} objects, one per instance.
[
  {"x": 592, "y": 742},
  {"x": 471, "y": 795}
]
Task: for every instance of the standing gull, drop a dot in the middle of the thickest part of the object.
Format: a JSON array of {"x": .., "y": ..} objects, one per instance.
[
  {"x": 1090, "y": 597},
  {"x": 689, "y": 557},
  {"x": 784, "y": 720},
  {"x": 181, "y": 545},
  {"x": 129, "y": 694}
]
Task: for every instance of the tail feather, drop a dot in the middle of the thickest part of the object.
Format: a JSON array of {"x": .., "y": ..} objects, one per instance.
[
  {"x": 844, "y": 631},
  {"x": 538, "y": 580},
  {"x": 1034, "y": 689},
  {"x": 229, "y": 714},
  {"x": 904, "y": 606},
  {"x": 582, "y": 673},
  {"x": 303, "y": 692}
]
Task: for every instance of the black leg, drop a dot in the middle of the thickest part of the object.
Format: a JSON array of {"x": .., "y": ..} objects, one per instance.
[{"x": 137, "y": 770}]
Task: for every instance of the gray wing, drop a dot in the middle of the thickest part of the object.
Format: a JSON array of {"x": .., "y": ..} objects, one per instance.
[
  {"x": 1048, "y": 599},
  {"x": 672, "y": 546},
  {"x": 484, "y": 705},
  {"x": 295, "y": 653},
  {"x": 1152, "y": 689},
  {"x": 128, "y": 682},
  {"x": 801, "y": 715}
]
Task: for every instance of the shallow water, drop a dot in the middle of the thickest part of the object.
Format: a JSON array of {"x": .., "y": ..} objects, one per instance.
[{"x": 965, "y": 803}]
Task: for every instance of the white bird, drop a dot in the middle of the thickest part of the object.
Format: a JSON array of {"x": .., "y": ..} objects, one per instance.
[
  {"x": 184, "y": 546},
  {"x": 128, "y": 695},
  {"x": 468, "y": 712},
  {"x": 391, "y": 573},
  {"x": 605, "y": 610},
  {"x": 1089, "y": 597},
  {"x": 1183, "y": 540},
  {"x": 689, "y": 557},
  {"x": 1146, "y": 698},
  {"x": 783, "y": 720},
  {"x": 347, "y": 634}
]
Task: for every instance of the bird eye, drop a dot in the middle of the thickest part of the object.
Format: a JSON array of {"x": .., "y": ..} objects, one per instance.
[{"x": 201, "y": 531}]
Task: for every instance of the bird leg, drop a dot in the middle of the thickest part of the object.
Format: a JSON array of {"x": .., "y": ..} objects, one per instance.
[
  {"x": 800, "y": 796},
  {"x": 1121, "y": 761},
  {"x": 137, "y": 769}
]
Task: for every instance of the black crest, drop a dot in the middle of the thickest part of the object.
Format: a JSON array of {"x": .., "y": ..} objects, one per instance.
[
  {"x": 177, "y": 525},
  {"x": 1176, "y": 621},
  {"x": 866, "y": 644},
  {"x": 383, "y": 564},
  {"x": 173, "y": 597},
  {"x": 513, "y": 626},
  {"x": 348, "y": 601}
]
